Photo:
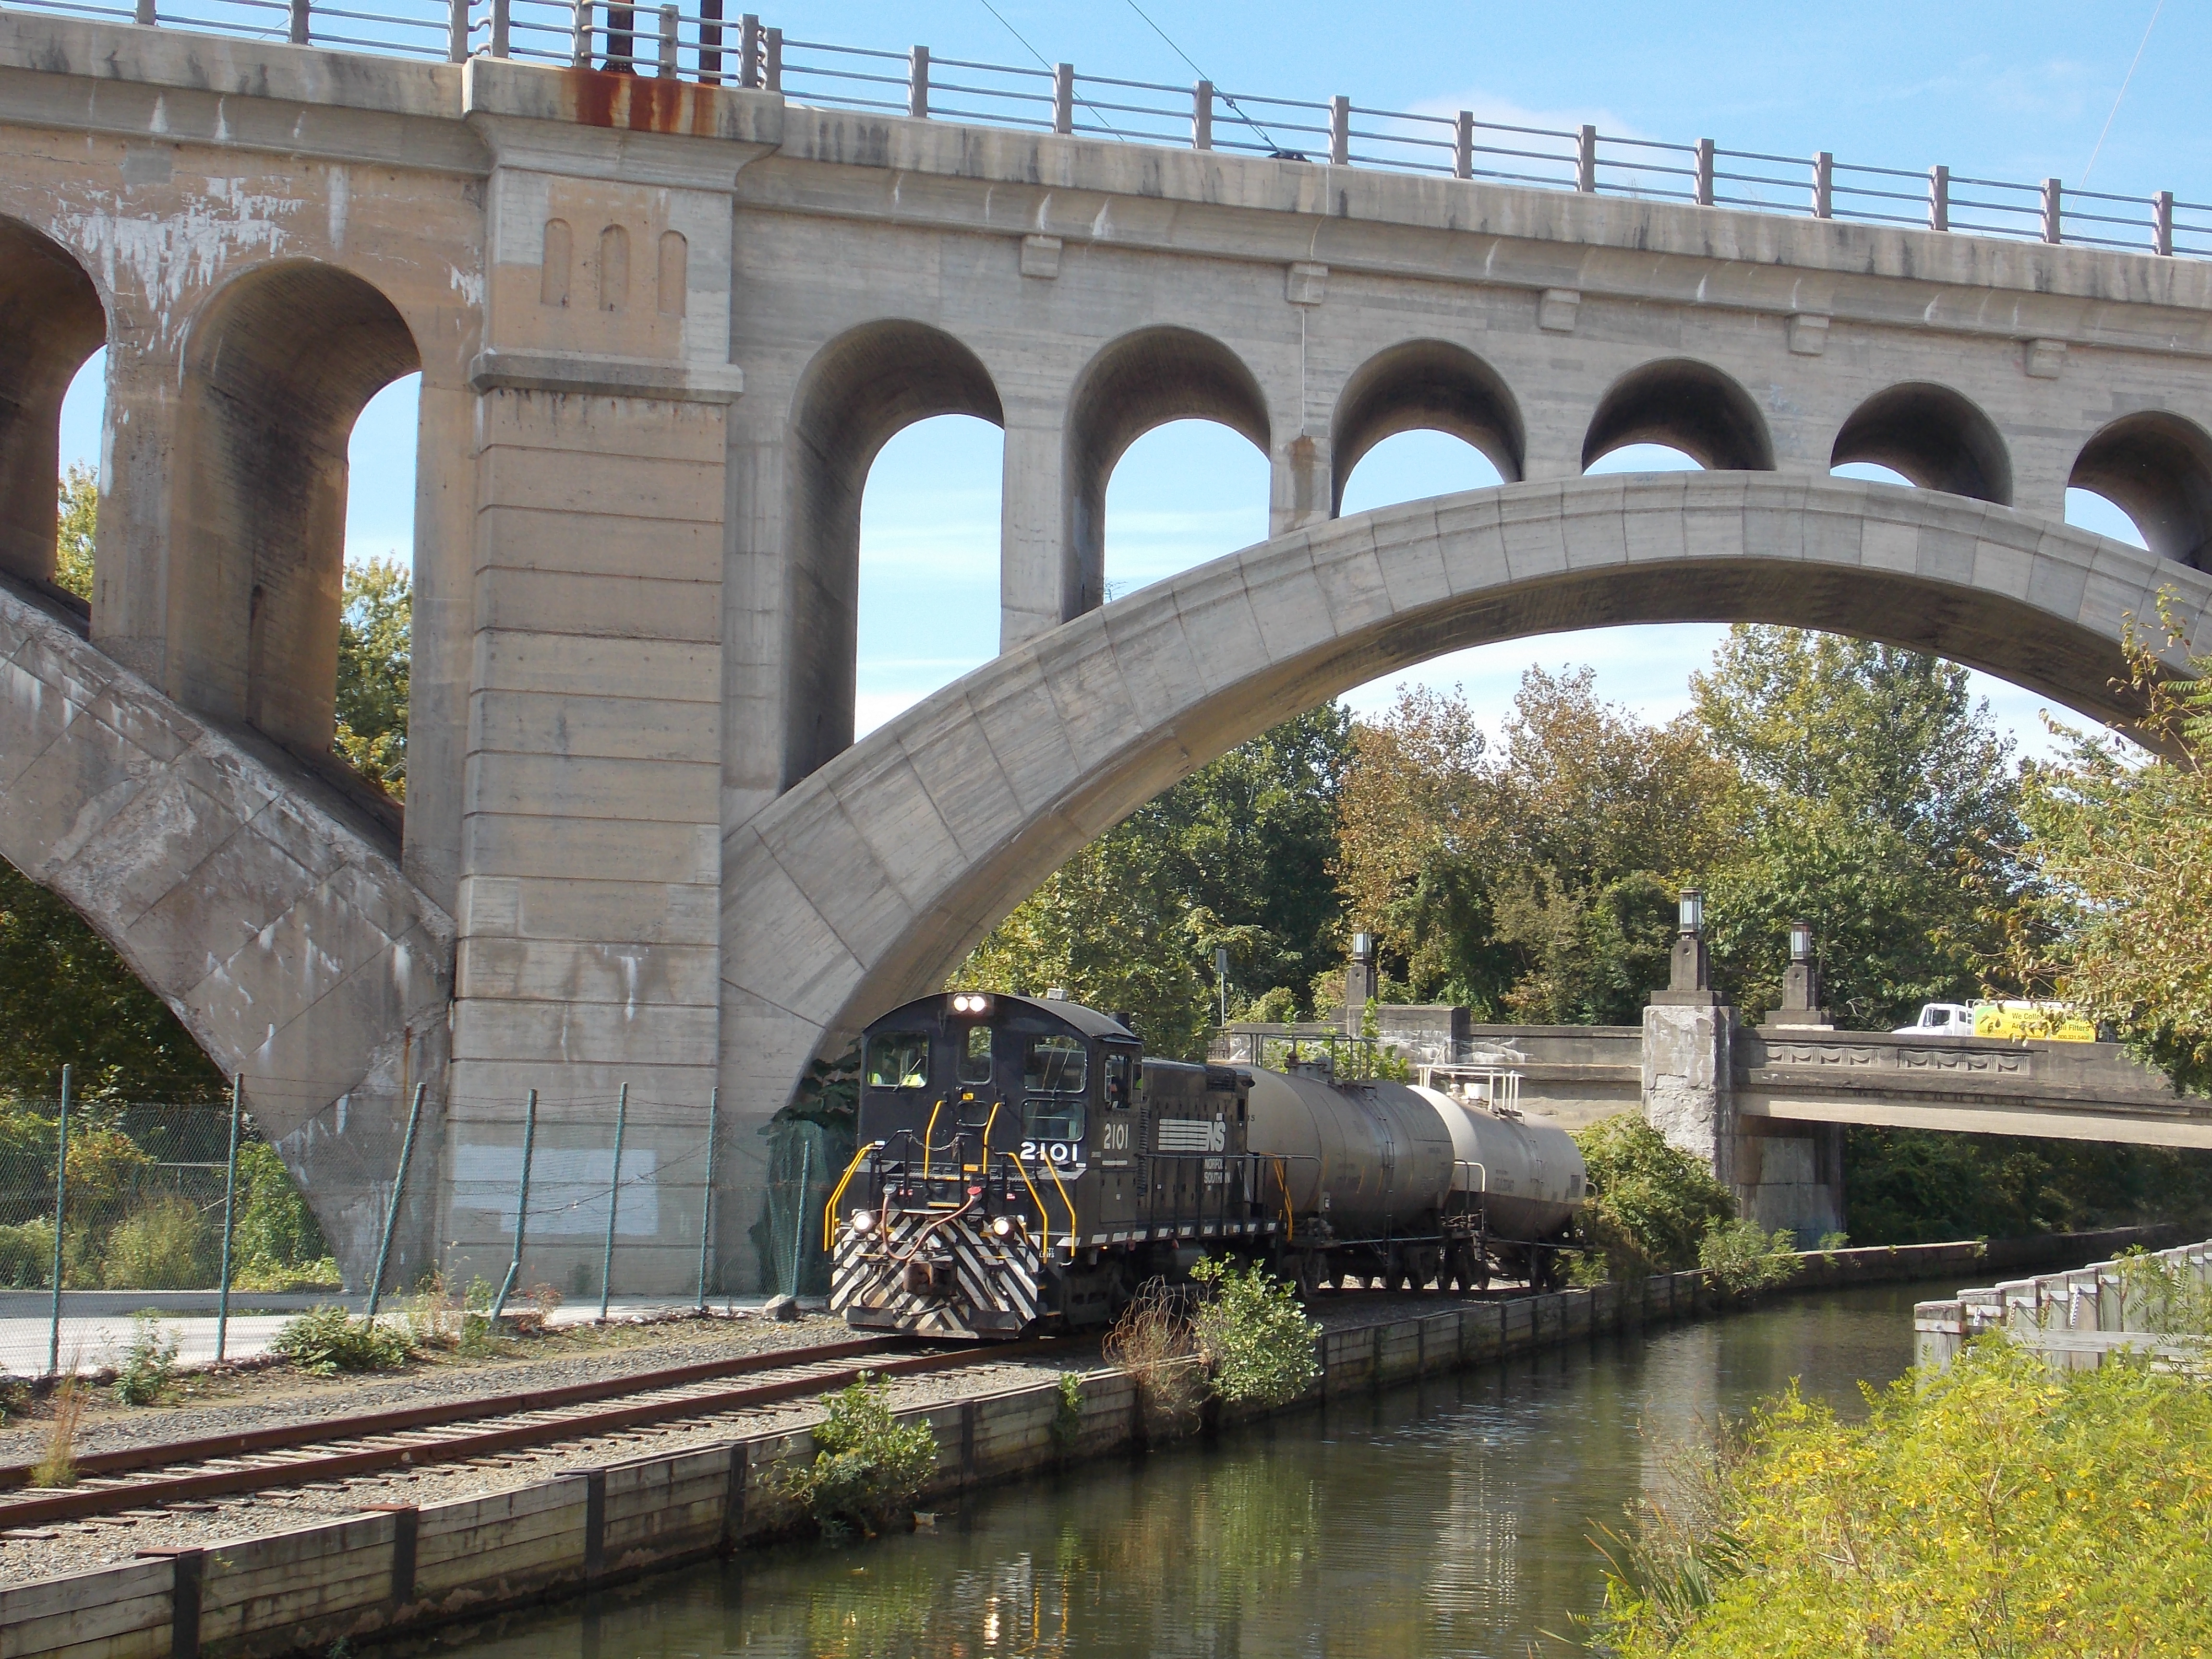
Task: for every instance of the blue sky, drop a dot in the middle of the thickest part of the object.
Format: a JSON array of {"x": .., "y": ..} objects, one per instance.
[{"x": 2012, "y": 91}]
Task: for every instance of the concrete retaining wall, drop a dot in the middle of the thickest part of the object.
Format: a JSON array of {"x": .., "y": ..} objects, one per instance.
[{"x": 406, "y": 1569}]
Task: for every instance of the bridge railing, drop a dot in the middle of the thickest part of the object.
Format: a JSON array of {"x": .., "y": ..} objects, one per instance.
[{"x": 695, "y": 40}]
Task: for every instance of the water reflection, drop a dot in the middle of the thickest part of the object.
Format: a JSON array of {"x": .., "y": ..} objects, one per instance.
[{"x": 1449, "y": 1519}]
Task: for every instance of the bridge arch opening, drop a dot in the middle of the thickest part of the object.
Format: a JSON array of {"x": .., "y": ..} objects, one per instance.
[
  {"x": 1933, "y": 437},
  {"x": 2156, "y": 468},
  {"x": 52, "y": 321},
  {"x": 1424, "y": 385},
  {"x": 1686, "y": 405},
  {"x": 860, "y": 391},
  {"x": 278, "y": 366},
  {"x": 1150, "y": 379}
]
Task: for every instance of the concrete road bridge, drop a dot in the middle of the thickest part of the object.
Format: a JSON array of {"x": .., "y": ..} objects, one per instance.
[{"x": 664, "y": 323}]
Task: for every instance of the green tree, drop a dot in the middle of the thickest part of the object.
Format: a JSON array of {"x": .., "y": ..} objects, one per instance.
[
  {"x": 66, "y": 996},
  {"x": 1237, "y": 854},
  {"x": 78, "y": 513},
  {"x": 375, "y": 652},
  {"x": 1880, "y": 804},
  {"x": 2121, "y": 846},
  {"x": 1536, "y": 882}
]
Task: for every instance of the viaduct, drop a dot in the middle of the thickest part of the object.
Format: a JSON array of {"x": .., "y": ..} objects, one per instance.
[{"x": 665, "y": 324}]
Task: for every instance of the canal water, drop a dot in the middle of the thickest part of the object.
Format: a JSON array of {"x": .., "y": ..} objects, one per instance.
[{"x": 1439, "y": 1520}]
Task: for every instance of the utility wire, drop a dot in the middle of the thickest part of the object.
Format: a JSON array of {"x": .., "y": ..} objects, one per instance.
[
  {"x": 1228, "y": 102},
  {"x": 1041, "y": 58},
  {"x": 2123, "y": 93}
]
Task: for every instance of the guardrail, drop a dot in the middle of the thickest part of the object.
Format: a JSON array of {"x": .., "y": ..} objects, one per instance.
[
  {"x": 696, "y": 41},
  {"x": 2149, "y": 1306}
]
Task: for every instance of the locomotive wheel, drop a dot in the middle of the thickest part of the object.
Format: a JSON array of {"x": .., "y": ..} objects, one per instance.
[{"x": 1309, "y": 1276}]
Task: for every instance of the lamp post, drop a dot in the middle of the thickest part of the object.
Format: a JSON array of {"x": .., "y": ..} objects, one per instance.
[
  {"x": 1689, "y": 967},
  {"x": 1358, "y": 982},
  {"x": 1221, "y": 975},
  {"x": 1801, "y": 983}
]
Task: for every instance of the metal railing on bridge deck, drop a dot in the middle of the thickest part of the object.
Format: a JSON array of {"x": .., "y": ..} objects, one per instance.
[{"x": 695, "y": 41}]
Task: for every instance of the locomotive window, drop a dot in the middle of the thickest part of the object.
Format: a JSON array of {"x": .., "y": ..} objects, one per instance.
[
  {"x": 976, "y": 1056},
  {"x": 1054, "y": 1066},
  {"x": 899, "y": 1059},
  {"x": 1046, "y": 1117},
  {"x": 1117, "y": 1080}
]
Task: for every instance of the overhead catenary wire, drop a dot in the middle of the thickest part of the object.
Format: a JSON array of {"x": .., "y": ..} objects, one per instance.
[
  {"x": 2125, "y": 81},
  {"x": 1228, "y": 103},
  {"x": 1096, "y": 114}
]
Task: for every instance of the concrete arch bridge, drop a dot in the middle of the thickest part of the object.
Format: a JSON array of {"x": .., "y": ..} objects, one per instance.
[{"x": 663, "y": 330}]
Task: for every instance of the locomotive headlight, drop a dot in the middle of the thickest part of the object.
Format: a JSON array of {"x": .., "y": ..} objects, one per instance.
[
  {"x": 1003, "y": 1227},
  {"x": 862, "y": 1222},
  {"x": 971, "y": 1002}
]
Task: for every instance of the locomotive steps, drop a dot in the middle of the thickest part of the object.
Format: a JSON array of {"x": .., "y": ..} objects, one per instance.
[{"x": 248, "y": 1584}]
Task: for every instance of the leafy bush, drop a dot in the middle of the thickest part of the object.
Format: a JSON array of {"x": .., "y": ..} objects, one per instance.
[
  {"x": 326, "y": 1340},
  {"x": 1743, "y": 1258},
  {"x": 27, "y": 1255},
  {"x": 1256, "y": 1339},
  {"x": 1997, "y": 1507},
  {"x": 321, "y": 1275},
  {"x": 1835, "y": 1242},
  {"x": 151, "y": 1362},
  {"x": 166, "y": 1245},
  {"x": 868, "y": 1467},
  {"x": 1651, "y": 1204},
  {"x": 277, "y": 1237}
]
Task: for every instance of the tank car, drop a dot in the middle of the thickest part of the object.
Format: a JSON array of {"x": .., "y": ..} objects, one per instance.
[{"x": 1023, "y": 1167}]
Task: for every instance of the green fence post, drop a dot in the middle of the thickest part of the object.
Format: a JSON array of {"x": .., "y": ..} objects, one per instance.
[
  {"x": 61, "y": 1202},
  {"x": 398, "y": 1187},
  {"x": 614, "y": 1203},
  {"x": 706, "y": 1197},
  {"x": 522, "y": 1209},
  {"x": 799, "y": 1227},
  {"x": 229, "y": 1212}
]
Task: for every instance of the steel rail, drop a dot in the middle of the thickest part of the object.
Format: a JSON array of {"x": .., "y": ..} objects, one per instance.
[{"x": 43, "y": 1506}]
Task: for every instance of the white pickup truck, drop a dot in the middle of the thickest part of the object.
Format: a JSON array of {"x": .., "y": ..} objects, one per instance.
[{"x": 1940, "y": 1019}]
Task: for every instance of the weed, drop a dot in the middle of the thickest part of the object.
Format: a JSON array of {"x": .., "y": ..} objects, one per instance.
[
  {"x": 58, "y": 1467},
  {"x": 1257, "y": 1342},
  {"x": 433, "y": 1319},
  {"x": 548, "y": 1299},
  {"x": 326, "y": 1340},
  {"x": 868, "y": 1467},
  {"x": 166, "y": 1245},
  {"x": 1835, "y": 1242},
  {"x": 1153, "y": 1342},
  {"x": 1068, "y": 1410},
  {"x": 147, "y": 1369}
]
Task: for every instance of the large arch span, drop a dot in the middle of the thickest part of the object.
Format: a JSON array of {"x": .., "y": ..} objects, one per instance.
[
  {"x": 869, "y": 881},
  {"x": 261, "y": 905}
]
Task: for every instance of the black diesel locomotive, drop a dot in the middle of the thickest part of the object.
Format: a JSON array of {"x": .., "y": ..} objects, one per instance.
[{"x": 1023, "y": 1167}]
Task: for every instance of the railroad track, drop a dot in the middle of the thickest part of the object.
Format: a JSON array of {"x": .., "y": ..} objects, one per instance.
[{"x": 451, "y": 1431}]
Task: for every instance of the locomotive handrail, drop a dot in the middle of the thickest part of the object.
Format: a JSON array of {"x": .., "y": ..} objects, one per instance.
[
  {"x": 929, "y": 1132},
  {"x": 1067, "y": 1203},
  {"x": 1459, "y": 1163},
  {"x": 829, "y": 1210},
  {"x": 1044, "y": 1216}
]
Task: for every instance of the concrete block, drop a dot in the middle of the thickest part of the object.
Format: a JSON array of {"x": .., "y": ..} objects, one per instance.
[
  {"x": 570, "y": 786},
  {"x": 636, "y": 607},
  {"x": 611, "y": 727},
  {"x": 1529, "y": 522},
  {"x": 568, "y": 665}
]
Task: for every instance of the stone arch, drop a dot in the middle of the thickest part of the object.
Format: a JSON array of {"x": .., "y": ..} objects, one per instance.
[
  {"x": 861, "y": 389},
  {"x": 871, "y": 881},
  {"x": 1689, "y": 406},
  {"x": 251, "y": 898},
  {"x": 1933, "y": 435},
  {"x": 51, "y": 320},
  {"x": 1424, "y": 384},
  {"x": 2157, "y": 469},
  {"x": 1141, "y": 381},
  {"x": 277, "y": 365}
]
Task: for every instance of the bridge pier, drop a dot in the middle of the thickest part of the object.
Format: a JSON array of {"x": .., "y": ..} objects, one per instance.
[{"x": 1782, "y": 1174}]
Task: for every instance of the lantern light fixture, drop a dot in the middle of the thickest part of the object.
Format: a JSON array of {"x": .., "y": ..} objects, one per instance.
[{"x": 1692, "y": 911}]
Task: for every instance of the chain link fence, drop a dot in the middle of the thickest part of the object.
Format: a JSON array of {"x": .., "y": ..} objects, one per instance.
[
  {"x": 586, "y": 1205},
  {"x": 134, "y": 1218}
]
